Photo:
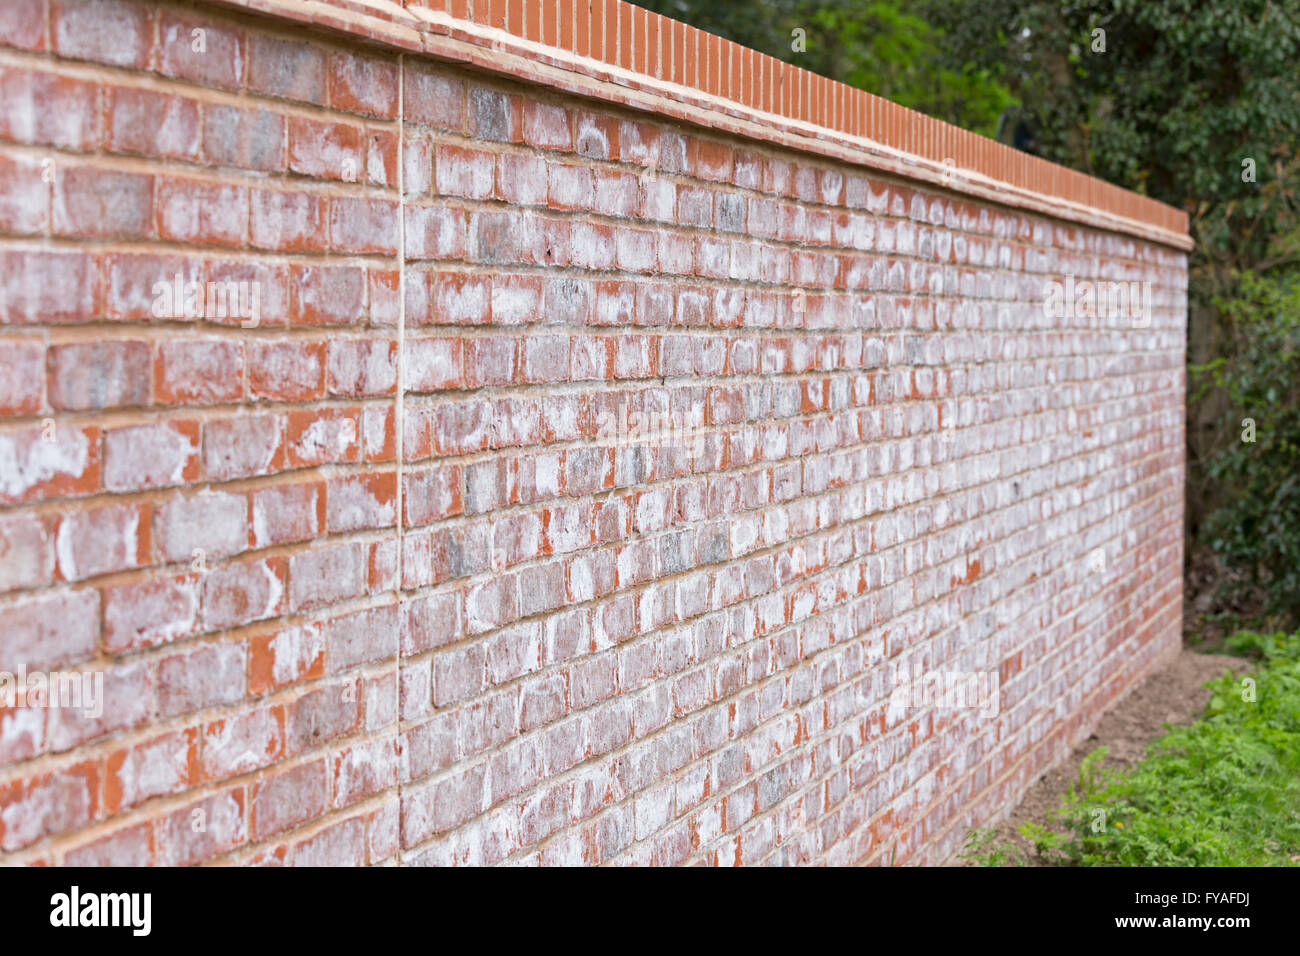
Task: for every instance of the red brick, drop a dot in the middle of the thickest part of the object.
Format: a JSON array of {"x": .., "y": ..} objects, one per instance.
[
  {"x": 464, "y": 172},
  {"x": 199, "y": 371},
  {"x": 243, "y": 445},
  {"x": 160, "y": 767},
  {"x": 211, "y": 523},
  {"x": 101, "y": 540},
  {"x": 22, "y": 25},
  {"x": 288, "y": 798},
  {"x": 597, "y": 136},
  {"x": 494, "y": 115},
  {"x": 363, "y": 225},
  {"x": 240, "y": 593},
  {"x": 200, "y": 678},
  {"x": 325, "y": 150},
  {"x": 129, "y": 846},
  {"x": 435, "y": 232},
  {"x": 547, "y": 126},
  {"x": 49, "y": 461},
  {"x": 362, "y": 84},
  {"x": 47, "y": 109},
  {"x": 201, "y": 213},
  {"x": 151, "y": 456},
  {"x": 285, "y": 657},
  {"x": 328, "y": 294},
  {"x": 287, "y": 512},
  {"x": 194, "y": 48},
  {"x": 98, "y": 375},
  {"x": 433, "y": 364},
  {"x": 243, "y": 138},
  {"x": 55, "y": 802},
  {"x": 431, "y": 494},
  {"x": 22, "y": 378},
  {"x": 204, "y": 829},
  {"x": 26, "y": 552},
  {"x": 116, "y": 32},
  {"x": 286, "y": 371},
  {"x": 342, "y": 844},
  {"x": 47, "y": 631},
  {"x": 150, "y": 612},
  {"x": 242, "y": 743},
  {"x": 354, "y": 502},
  {"x": 136, "y": 285},
  {"x": 317, "y": 436},
  {"x": 326, "y": 575},
  {"x": 24, "y": 196},
  {"x": 288, "y": 69},
  {"x": 321, "y": 715},
  {"x": 155, "y": 124},
  {"x": 381, "y": 158},
  {"x": 361, "y": 367},
  {"x": 432, "y": 98},
  {"x": 102, "y": 203},
  {"x": 288, "y": 221}
]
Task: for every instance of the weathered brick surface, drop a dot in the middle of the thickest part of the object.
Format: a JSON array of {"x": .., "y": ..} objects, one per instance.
[{"x": 579, "y": 491}]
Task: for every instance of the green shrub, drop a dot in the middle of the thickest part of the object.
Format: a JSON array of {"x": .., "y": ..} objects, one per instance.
[{"x": 1256, "y": 531}]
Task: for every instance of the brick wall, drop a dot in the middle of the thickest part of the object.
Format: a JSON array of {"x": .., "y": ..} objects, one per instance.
[{"x": 585, "y": 470}]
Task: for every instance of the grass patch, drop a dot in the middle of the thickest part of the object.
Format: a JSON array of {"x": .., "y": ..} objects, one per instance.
[{"x": 1224, "y": 791}]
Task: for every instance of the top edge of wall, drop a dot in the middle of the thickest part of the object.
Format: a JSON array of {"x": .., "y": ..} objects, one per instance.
[{"x": 621, "y": 53}]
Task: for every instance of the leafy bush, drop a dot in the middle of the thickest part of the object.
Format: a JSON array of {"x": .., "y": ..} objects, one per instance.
[{"x": 1256, "y": 530}]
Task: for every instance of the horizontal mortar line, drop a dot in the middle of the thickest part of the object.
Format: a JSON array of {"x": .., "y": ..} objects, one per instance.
[
  {"x": 456, "y": 584},
  {"x": 224, "y": 256},
  {"x": 104, "y": 158},
  {"x": 177, "y": 169},
  {"x": 595, "y": 217},
  {"x": 142, "y": 574},
  {"x": 165, "y": 415},
  {"x": 154, "y": 815},
  {"x": 129, "y": 416},
  {"x": 288, "y": 550},
  {"x": 329, "y": 190},
  {"x": 850, "y": 374}
]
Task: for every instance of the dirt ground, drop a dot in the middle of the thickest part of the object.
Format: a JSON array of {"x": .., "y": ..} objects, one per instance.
[{"x": 1173, "y": 695}]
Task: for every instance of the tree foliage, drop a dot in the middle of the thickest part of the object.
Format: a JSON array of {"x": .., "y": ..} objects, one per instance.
[{"x": 875, "y": 45}]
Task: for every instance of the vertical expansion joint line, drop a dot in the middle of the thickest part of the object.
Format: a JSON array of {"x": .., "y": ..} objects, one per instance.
[{"x": 398, "y": 425}]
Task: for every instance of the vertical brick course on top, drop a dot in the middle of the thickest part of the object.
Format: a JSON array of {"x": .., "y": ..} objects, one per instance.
[{"x": 578, "y": 481}]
